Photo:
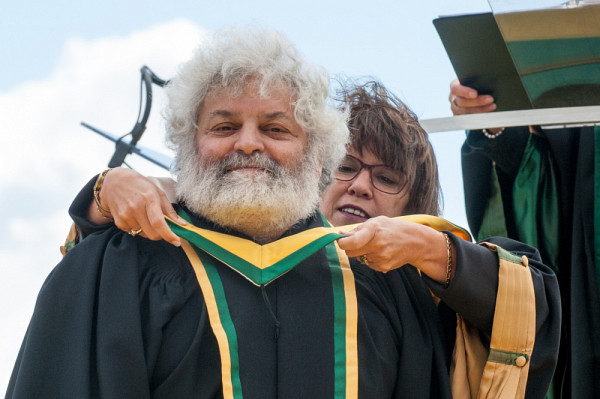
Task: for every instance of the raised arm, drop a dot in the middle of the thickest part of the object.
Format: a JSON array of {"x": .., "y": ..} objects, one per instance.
[{"x": 465, "y": 100}]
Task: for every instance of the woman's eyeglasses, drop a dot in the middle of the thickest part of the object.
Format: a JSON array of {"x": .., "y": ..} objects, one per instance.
[{"x": 383, "y": 178}]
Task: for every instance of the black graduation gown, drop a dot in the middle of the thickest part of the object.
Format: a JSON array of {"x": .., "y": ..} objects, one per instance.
[
  {"x": 123, "y": 317},
  {"x": 578, "y": 370}
]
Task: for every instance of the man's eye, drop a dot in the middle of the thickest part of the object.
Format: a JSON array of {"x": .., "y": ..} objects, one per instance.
[
  {"x": 275, "y": 129},
  {"x": 223, "y": 128}
]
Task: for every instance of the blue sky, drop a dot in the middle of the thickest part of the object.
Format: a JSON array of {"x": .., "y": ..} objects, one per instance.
[{"x": 64, "y": 62}]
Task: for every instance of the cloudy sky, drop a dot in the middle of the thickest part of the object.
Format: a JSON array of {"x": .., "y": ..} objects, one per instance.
[{"x": 65, "y": 62}]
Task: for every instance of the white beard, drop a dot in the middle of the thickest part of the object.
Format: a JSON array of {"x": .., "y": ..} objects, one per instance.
[{"x": 263, "y": 204}]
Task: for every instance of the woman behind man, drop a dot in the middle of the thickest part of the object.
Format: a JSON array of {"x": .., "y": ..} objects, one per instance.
[{"x": 390, "y": 170}]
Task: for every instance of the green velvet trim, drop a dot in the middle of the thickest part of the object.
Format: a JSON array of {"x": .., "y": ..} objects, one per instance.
[{"x": 509, "y": 358}]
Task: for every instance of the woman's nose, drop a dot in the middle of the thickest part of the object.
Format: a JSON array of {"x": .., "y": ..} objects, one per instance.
[{"x": 361, "y": 185}]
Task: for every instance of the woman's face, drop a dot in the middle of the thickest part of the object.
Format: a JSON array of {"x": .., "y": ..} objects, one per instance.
[{"x": 354, "y": 201}]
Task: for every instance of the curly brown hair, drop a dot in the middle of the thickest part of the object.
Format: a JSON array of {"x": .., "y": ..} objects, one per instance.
[{"x": 382, "y": 124}]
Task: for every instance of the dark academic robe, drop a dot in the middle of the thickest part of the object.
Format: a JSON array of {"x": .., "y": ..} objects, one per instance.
[
  {"x": 572, "y": 149},
  {"x": 123, "y": 317}
]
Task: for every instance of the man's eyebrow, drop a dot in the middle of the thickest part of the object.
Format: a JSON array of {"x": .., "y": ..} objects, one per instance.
[
  {"x": 269, "y": 115},
  {"x": 222, "y": 112},
  {"x": 278, "y": 114}
]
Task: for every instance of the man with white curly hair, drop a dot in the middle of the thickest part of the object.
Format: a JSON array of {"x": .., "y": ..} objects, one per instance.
[
  {"x": 257, "y": 299},
  {"x": 291, "y": 140}
]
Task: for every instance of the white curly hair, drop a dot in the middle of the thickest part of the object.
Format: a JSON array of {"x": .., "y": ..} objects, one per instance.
[{"x": 227, "y": 59}]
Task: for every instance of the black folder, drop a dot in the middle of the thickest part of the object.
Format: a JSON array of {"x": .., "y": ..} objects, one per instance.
[{"x": 481, "y": 58}]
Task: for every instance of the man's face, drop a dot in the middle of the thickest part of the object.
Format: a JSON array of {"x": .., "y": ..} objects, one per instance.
[
  {"x": 251, "y": 171},
  {"x": 249, "y": 124}
]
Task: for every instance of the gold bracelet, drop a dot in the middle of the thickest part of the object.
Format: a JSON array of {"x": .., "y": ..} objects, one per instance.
[
  {"x": 449, "y": 263},
  {"x": 97, "y": 187}
]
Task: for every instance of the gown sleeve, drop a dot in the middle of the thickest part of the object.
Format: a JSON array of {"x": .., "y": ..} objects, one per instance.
[
  {"x": 478, "y": 154},
  {"x": 472, "y": 294},
  {"x": 89, "y": 335},
  {"x": 79, "y": 209}
]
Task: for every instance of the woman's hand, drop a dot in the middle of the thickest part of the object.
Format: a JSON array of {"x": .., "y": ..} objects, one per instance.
[
  {"x": 465, "y": 100},
  {"x": 135, "y": 202},
  {"x": 386, "y": 244}
]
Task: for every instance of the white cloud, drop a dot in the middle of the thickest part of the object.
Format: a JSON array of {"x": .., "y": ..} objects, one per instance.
[{"x": 47, "y": 156}]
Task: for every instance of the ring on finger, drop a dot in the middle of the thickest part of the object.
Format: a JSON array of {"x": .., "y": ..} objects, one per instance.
[
  {"x": 453, "y": 101},
  {"x": 133, "y": 232},
  {"x": 363, "y": 259}
]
